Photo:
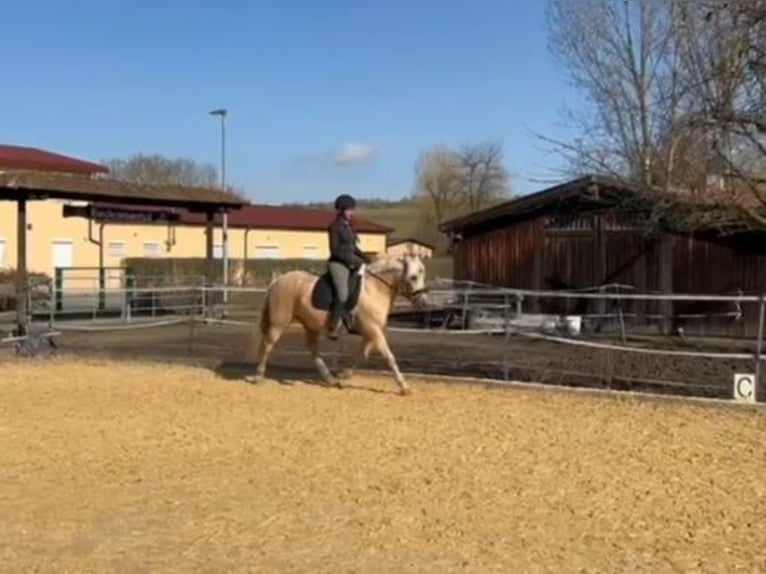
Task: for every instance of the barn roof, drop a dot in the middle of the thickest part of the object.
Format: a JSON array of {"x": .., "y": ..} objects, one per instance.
[
  {"x": 536, "y": 201},
  {"x": 27, "y": 158},
  {"x": 269, "y": 217},
  {"x": 15, "y": 185},
  {"x": 729, "y": 210}
]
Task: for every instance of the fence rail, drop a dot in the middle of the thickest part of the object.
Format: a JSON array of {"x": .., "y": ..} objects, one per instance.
[{"x": 508, "y": 316}]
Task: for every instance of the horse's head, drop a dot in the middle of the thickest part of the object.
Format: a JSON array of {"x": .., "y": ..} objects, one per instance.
[{"x": 414, "y": 280}]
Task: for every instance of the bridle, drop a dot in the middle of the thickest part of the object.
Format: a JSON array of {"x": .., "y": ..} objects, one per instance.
[{"x": 393, "y": 288}]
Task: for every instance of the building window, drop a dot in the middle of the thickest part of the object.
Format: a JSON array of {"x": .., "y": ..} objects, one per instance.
[
  {"x": 115, "y": 249},
  {"x": 63, "y": 253},
  {"x": 2, "y": 253},
  {"x": 152, "y": 249},
  {"x": 267, "y": 251},
  {"x": 218, "y": 251},
  {"x": 310, "y": 252}
]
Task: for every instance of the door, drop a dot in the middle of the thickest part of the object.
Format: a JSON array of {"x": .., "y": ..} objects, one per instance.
[{"x": 63, "y": 253}]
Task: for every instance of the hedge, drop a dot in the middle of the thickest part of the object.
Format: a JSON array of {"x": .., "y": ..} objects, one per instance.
[{"x": 257, "y": 271}]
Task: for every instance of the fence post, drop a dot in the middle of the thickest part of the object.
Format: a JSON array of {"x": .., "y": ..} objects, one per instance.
[
  {"x": 759, "y": 348},
  {"x": 204, "y": 290},
  {"x": 621, "y": 315},
  {"x": 507, "y": 337},
  {"x": 101, "y": 287},
  {"x": 130, "y": 285},
  {"x": 466, "y": 298},
  {"x": 52, "y": 304},
  {"x": 58, "y": 283}
]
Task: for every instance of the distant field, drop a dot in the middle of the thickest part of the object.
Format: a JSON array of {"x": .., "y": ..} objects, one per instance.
[{"x": 402, "y": 217}]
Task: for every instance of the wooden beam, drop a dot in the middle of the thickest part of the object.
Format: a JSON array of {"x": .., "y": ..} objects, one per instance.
[
  {"x": 599, "y": 260},
  {"x": 209, "y": 267},
  {"x": 209, "y": 230},
  {"x": 22, "y": 286},
  {"x": 667, "y": 242}
]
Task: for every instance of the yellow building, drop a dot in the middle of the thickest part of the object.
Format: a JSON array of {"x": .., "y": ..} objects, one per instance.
[
  {"x": 399, "y": 247},
  {"x": 67, "y": 234},
  {"x": 255, "y": 232}
]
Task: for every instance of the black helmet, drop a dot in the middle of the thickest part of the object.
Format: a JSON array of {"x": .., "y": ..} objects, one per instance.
[{"x": 344, "y": 202}]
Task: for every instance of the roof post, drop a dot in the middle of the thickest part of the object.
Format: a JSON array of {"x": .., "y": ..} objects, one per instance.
[
  {"x": 22, "y": 287},
  {"x": 209, "y": 216}
]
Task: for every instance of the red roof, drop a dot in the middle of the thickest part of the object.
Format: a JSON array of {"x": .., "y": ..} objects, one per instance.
[
  {"x": 266, "y": 217},
  {"x": 27, "y": 158}
]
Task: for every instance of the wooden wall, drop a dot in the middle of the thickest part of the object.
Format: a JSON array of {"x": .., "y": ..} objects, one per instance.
[{"x": 550, "y": 253}]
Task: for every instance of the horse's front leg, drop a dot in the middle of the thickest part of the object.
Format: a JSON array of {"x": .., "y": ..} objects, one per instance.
[
  {"x": 382, "y": 345},
  {"x": 312, "y": 342}
]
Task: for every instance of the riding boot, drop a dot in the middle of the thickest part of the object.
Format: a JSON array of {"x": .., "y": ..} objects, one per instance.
[
  {"x": 348, "y": 320},
  {"x": 334, "y": 321}
]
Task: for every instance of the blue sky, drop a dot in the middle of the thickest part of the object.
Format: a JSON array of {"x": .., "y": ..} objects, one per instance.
[{"x": 308, "y": 83}]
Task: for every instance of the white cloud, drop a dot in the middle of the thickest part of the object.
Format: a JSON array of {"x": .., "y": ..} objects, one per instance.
[{"x": 354, "y": 154}]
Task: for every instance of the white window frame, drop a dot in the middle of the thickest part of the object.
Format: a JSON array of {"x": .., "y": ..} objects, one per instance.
[
  {"x": 3, "y": 251},
  {"x": 310, "y": 252},
  {"x": 269, "y": 247},
  {"x": 110, "y": 245},
  {"x": 61, "y": 241},
  {"x": 146, "y": 252}
]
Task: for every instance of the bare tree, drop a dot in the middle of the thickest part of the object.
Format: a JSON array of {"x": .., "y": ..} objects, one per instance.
[
  {"x": 482, "y": 176},
  {"x": 724, "y": 51},
  {"x": 162, "y": 170},
  {"x": 437, "y": 184},
  {"x": 621, "y": 56}
]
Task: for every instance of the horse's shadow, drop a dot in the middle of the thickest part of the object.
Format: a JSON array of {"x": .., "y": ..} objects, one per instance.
[{"x": 236, "y": 371}]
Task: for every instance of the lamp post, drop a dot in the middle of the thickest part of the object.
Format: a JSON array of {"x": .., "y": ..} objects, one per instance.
[{"x": 222, "y": 113}]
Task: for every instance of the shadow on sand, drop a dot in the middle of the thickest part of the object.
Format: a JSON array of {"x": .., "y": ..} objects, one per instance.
[{"x": 236, "y": 371}]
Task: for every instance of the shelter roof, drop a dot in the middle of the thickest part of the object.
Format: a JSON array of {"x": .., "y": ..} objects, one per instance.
[
  {"x": 16, "y": 185},
  {"x": 18, "y": 157}
]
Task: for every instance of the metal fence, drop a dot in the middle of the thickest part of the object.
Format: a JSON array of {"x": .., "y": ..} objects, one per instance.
[{"x": 607, "y": 337}]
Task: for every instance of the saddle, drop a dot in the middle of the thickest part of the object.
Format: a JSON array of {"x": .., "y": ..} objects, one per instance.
[{"x": 323, "y": 295}]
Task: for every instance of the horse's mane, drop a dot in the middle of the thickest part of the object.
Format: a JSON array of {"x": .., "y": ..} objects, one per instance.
[{"x": 385, "y": 263}]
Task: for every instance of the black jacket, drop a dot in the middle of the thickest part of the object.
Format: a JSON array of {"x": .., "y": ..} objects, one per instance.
[{"x": 343, "y": 244}]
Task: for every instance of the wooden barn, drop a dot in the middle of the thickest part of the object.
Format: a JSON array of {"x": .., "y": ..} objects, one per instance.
[{"x": 594, "y": 232}]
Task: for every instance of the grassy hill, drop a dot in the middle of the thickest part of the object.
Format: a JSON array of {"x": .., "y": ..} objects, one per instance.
[{"x": 401, "y": 215}]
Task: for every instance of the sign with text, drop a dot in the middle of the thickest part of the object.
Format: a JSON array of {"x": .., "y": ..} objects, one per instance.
[
  {"x": 744, "y": 388},
  {"x": 119, "y": 215}
]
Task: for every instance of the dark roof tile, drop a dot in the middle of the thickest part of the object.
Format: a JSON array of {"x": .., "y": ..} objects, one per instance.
[{"x": 27, "y": 158}]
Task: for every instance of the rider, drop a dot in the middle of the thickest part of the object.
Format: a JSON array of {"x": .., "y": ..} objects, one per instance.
[{"x": 345, "y": 258}]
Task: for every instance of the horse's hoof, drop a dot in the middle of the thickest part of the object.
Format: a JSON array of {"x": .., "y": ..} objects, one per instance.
[
  {"x": 405, "y": 391},
  {"x": 346, "y": 375},
  {"x": 254, "y": 379}
]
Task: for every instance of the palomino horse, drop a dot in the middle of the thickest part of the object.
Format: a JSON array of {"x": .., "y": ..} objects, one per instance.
[{"x": 289, "y": 299}]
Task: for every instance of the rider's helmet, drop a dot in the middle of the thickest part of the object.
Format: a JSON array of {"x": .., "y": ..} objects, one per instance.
[{"x": 344, "y": 202}]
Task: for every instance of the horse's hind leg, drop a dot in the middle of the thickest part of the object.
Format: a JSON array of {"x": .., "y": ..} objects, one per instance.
[
  {"x": 312, "y": 342},
  {"x": 268, "y": 340}
]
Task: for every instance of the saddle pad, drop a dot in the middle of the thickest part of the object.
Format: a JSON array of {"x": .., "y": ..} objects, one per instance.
[{"x": 323, "y": 294}]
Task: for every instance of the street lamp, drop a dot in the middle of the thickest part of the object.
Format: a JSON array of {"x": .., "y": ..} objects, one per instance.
[{"x": 222, "y": 113}]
